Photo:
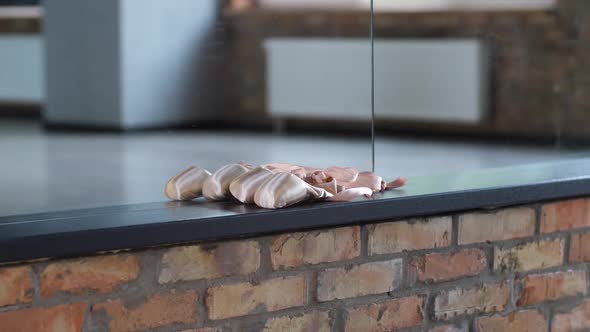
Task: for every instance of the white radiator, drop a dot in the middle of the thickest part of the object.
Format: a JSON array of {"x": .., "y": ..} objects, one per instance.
[
  {"x": 22, "y": 73},
  {"x": 417, "y": 79}
]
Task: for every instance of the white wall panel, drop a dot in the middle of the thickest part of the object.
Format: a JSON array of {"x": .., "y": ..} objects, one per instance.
[
  {"x": 21, "y": 69},
  {"x": 420, "y": 79}
]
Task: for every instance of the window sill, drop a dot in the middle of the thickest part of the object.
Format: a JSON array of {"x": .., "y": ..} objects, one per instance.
[{"x": 73, "y": 233}]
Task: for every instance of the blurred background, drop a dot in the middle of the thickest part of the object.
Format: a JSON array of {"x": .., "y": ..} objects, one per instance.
[{"x": 102, "y": 101}]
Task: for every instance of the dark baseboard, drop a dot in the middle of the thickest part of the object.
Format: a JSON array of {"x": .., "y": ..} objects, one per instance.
[
  {"x": 482, "y": 134},
  {"x": 16, "y": 110}
]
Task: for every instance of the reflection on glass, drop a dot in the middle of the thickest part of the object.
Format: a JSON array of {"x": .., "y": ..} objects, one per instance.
[
  {"x": 470, "y": 85},
  {"x": 105, "y": 101},
  {"x": 102, "y": 103}
]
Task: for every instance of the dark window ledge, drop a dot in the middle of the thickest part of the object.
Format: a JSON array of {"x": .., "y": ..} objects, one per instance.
[{"x": 72, "y": 233}]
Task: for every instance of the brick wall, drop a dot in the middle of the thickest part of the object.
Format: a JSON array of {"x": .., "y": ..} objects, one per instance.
[
  {"x": 540, "y": 80},
  {"x": 514, "y": 269}
]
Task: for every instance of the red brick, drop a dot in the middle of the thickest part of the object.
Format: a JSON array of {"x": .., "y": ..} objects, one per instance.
[
  {"x": 210, "y": 261},
  {"x": 521, "y": 321},
  {"x": 565, "y": 215},
  {"x": 160, "y": 310},
  {"x": 530, "y": 256},
  {"x": 501, "y": 225},
  {"x": 396, "y": 237},
  {"x": 460, "y": 301},
  {"x": 241, "y": 299},
  {"x": 101, "y": 274},
  {"x": 577, "y": 319},
  {"x": 316, "y": 322},
  {"x": 63, "y": 318},
  {"x": 541, "y": 18},
  {"x": 437, "y": 267},
  {"x": 16, "y": 286},
  {"x": 580, "y": 248},
  {"x": 359, "y": 280},
  {"x": 552, "y": 286},
  {"x": 389, "y": 316},
  {"x": 296, "y": 249}
]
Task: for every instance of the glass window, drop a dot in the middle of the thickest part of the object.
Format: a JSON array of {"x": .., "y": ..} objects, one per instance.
[
  {"x": 107, "y": 101},
  {"x": 478, "y": 88},
  {"x": 101, "y": 103}
]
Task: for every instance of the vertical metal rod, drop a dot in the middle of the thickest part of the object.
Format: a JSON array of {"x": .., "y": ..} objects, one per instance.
[{"x": 372, "y": 86}]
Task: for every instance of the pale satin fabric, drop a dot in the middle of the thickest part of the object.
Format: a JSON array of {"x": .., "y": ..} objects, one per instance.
[
  {"x": 216, "y": 187},
  {"x": 244, "y": 186},
  {"x": 275, "y": 186},
  {"x": 285, "y": 189},
  {"x": 352, "y": 194},
  {"x": 187, "y": 185}
]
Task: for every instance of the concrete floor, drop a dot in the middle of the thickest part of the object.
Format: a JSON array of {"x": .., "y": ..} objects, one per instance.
[{"x": 42, "y": 172}]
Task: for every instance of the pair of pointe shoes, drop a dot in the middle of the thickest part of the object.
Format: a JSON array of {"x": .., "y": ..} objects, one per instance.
[{"x": 275, "y": 186}]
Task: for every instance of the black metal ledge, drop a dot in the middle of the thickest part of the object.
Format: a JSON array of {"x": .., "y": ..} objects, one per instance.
[{"x": 72, "y": 233}]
